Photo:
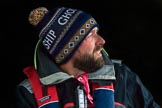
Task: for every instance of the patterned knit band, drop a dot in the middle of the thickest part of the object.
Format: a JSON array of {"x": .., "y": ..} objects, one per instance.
[{"x": 62, "y": 30}]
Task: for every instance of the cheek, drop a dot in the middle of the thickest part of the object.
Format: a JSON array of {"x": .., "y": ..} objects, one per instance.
[{"x": 87, "y": 47}]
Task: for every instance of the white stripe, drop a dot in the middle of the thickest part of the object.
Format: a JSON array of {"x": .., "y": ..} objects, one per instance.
[
  {"x": 104, "y": 89},
  {"x": 49, "y": 103}
]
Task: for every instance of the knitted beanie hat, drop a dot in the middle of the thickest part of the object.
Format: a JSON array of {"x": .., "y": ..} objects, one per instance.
[{"x": 61, "y": 30}]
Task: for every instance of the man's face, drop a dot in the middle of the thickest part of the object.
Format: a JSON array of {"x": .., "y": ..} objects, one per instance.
[{"x": 88, "y": 57}]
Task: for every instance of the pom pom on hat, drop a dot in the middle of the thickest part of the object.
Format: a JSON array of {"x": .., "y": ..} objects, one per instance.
[
  {"x": 61, "y": 30},
  {"x": 37, "y": 15}
]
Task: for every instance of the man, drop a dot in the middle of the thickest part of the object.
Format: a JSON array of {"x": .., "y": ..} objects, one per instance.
[{"x": 72, "y": 69}]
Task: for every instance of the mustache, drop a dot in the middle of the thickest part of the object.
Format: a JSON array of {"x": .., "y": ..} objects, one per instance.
[{"x": 98, "y": 48}]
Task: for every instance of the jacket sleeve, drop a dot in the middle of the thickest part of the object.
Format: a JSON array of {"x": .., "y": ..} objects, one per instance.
[
  {"x": 131, "y": 91},
  {"x": 24, "y": 96}
]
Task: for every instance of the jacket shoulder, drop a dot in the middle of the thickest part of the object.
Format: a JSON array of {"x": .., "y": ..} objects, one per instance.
[
  {"x": 117, "y": 61},
  {"x": 26, "y": 84},
  {"x": 122, "y": 68}
]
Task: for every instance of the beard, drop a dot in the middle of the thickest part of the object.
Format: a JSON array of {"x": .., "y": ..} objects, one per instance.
[{"x": 88, "y": 63}]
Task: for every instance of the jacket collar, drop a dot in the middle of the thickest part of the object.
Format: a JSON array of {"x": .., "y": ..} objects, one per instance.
[{"x": 49, "y": 73}]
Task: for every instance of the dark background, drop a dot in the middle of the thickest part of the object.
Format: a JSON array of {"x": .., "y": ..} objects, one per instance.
[{"x": 132, "y": 30}]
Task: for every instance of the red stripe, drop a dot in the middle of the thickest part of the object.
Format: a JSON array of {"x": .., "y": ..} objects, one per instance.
[
  {"x": 96, "y": 86},
  {"x": 119, "y": 104},
  {"x": 70, "y": 104}
]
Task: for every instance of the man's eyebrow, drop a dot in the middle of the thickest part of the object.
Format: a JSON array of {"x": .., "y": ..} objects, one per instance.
[
  {"x": 93, "y": 30},
  {"x": 90, "y": 33}
]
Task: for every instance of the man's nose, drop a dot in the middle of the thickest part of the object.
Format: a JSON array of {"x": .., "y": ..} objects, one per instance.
[{"x": 100, "y": 40}]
